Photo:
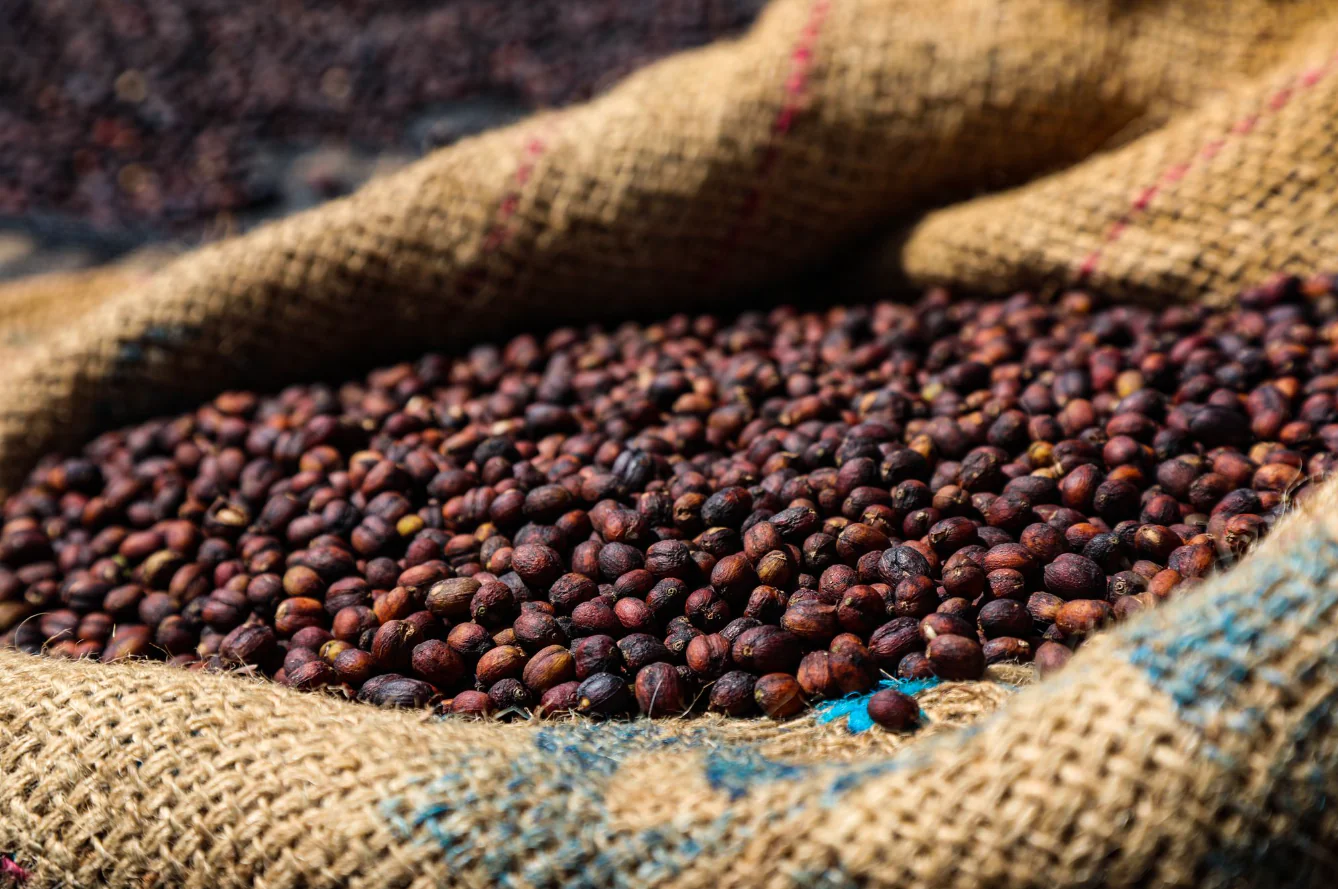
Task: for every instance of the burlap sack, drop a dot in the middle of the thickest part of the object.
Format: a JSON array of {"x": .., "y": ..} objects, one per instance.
[{"x": 1189, "y": 148}]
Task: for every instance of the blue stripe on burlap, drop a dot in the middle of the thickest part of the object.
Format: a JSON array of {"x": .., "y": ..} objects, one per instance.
[
  {"x": 1210, "y": 657},
  {"x": 544, "y": 819},
  {"x": 1217, "y": 657}
]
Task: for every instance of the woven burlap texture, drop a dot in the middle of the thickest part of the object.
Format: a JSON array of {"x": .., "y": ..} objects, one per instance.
[
  {"x": 728, "y": 169},
  {"x": 1193, "y": 748},
  {"x": 1185, "y": 149}
]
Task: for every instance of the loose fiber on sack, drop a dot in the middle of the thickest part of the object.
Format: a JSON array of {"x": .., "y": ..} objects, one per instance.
[
  {"x": 726, "y": 169},
  {"x": 1196, "y": 747}
]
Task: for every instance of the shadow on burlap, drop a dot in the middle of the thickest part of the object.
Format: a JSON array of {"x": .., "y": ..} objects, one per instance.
[{"x": 1156, "y": 149}]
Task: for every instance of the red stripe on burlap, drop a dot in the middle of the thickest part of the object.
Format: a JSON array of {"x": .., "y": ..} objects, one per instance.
[
  {"x": 503, "y": 230},
  {"x": 1206, "y": 152},
  {"x": 796, "y": 90}
]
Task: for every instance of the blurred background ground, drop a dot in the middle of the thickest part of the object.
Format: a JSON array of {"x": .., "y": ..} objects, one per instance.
[{"x": 132, "y": 122}]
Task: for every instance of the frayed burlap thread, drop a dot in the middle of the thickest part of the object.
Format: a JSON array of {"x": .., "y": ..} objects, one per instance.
[
  {"x": 1193, "y": 747},
  {"x": 729, "y": 169}
]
